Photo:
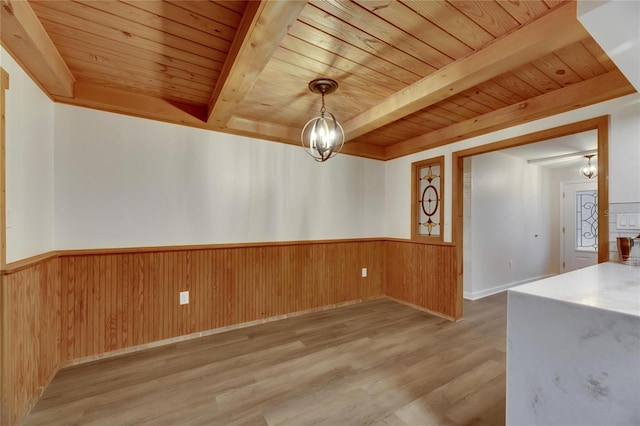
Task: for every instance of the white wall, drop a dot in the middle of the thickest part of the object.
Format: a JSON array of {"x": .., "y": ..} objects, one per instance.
[
  {"x": 29, "y": 165},
  {"x": 511, "y": 237},
  {"x": 124, "y": 182},
  {"x": 624, "y": 156}
]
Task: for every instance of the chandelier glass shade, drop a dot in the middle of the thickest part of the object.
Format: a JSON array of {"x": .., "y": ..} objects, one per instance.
[
  {"x": 322, "y": 136},
  {"x": 589, "y": 170}
]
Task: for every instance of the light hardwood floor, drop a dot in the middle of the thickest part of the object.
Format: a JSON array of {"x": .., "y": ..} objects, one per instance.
[{"x": 374, "y": 363}]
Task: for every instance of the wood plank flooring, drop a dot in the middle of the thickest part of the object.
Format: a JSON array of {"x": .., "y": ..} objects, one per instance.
[{"x": 375, "y": 363}]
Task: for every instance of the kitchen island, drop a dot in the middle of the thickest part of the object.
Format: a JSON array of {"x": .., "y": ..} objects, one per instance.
[{"x": 573, "y": 348}]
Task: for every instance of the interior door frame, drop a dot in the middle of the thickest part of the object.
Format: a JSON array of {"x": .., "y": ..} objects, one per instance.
[
  {"x": 4, "y": 85},
  {"x": 600, "y": 124}
]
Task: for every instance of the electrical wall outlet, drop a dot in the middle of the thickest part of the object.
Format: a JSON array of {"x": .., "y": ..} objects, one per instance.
[
  {"x": 184, "y": 297},
  {"x": 364, "y": 272}
]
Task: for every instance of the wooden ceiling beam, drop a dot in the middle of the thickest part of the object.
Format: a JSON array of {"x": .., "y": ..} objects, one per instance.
[
  {"x": 263, "y": 26},
  {"x": 558, "y": 28},
  {"x": 262, "y": 129},
  {"x": 291, "y": 136},
  {"x": 598, "y": 89},
  {"x": 25, "y": 37},
  {"x": 96, "y": 96}
]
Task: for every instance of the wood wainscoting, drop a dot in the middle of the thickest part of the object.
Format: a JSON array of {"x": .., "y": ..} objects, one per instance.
[
  {"x": 423, "y": 275},
  {"x": 30, "y": 333},
  {"x": 114, "y": 301},
  {"x": 78, "y": 305}
]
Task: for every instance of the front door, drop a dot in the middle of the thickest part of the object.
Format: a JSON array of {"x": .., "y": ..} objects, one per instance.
[{"x": 580, "y": 225}]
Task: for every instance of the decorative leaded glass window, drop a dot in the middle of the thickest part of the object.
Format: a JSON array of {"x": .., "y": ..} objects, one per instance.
[
  {"x": 587, "y": 220},
  {"x": 427, "y": 197}
]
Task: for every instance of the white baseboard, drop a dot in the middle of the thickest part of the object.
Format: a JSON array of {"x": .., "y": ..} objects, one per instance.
[{"x": 493, "y": 290}]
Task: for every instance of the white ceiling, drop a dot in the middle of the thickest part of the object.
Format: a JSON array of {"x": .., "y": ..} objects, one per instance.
[{"x": 576, "y": 143}]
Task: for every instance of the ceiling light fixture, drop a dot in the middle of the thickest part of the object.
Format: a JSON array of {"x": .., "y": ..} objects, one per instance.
[
  {"x": 589, "y": 171},
  {"x": 322, "y": 136}
]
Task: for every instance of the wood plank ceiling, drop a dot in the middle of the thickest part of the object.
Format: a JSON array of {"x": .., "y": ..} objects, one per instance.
[{"x": 413, "y": 74}]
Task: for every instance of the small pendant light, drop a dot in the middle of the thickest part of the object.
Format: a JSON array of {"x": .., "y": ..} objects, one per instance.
[
  {"x": 589, "y": 171},
  {"x": 322, "y": 136}
]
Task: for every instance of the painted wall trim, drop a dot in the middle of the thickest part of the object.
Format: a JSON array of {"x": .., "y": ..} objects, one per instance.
[{"x": 475, "y": 295}]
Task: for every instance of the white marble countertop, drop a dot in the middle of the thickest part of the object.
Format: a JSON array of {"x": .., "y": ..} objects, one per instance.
[{"x": 610, "y": 286}]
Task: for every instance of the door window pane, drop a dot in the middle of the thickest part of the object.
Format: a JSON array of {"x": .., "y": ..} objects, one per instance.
[
  {"x": 427, "y": 184},
  {"x": 586, "y": 220},
  {"x": 429, "y": 200}
]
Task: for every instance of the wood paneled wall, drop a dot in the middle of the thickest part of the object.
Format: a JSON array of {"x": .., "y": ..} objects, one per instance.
[
  {"x": 83, "y": 304},
  {"x": 30, "y": 330},
  {"x": 115, "y": 301},
  {"x": 423, "y": 275}
]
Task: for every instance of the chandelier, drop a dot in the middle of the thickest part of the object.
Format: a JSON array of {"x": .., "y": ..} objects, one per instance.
[
  {"x": 322, "y": 136},
  {"x": 589, "y": 171}
]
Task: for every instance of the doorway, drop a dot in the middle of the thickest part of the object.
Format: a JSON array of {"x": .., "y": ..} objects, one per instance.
[{"x": 600, "y": 124}]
